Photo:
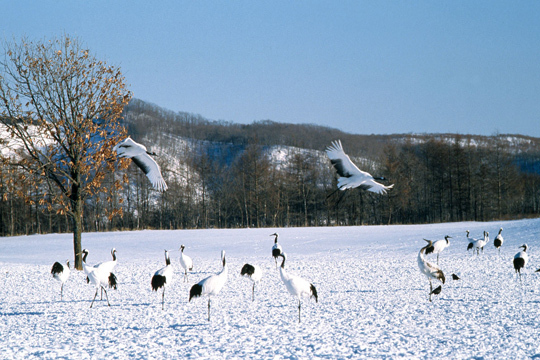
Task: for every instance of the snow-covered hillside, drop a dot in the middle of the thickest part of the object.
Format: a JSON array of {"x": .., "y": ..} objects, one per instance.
[{"x": 372, "y": 297}]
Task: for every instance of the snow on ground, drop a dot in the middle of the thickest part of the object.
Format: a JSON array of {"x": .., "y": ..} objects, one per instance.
[{"x": 372, "y": 297}]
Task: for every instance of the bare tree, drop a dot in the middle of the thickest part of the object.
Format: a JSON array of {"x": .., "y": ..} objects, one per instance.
[{"x": 62, "y": 106}]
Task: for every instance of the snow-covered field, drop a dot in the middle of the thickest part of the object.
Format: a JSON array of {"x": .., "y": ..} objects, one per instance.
[{"x": 372, "y": 297}]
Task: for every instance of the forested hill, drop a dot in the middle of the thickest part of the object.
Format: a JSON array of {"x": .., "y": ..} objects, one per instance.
[
  {"x": 152, "y": 121},
  {"x": 268, "y": 174}
]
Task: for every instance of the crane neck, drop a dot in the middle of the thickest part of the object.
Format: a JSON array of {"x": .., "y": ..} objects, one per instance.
[{"x": 282, "y": 272}]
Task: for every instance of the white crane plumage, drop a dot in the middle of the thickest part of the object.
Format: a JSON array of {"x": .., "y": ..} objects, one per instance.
[
  {"x": 498, "y": 241},
  {"x": 254, "y": 273},
  {"x": 212, "y": 285},
  {"x": 163, "y": 278},
  {"x": 521, "y": 259},
  {"x": 100, "y": 275},
  {"x": 297, "y": 286},
  {"x": 431, "y": 271},
  {"x": 141, "y": 157},
  {"x": 350, "y": 176},
  {"x": 474, "y": 243},
  {"x": 276, "y": 248},
  {"x": 438, "y": 246},
  {"x": 186, "y": 262},
  {"x": 107, "y": 266},
  {"x": 482, "y": 242},
  {"x": 61, "y": 273}
]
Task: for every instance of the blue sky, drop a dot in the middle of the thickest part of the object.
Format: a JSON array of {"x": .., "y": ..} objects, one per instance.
[{"x": 365, "y": 67}]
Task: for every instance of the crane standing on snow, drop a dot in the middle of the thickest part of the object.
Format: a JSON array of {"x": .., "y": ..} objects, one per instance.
[
  {"x": 100, "y": 275},
  {"x": 254, "y": 273},
  {"x": 431, "y": 271},
  {"x": 162, "y": 278},
  {"x": 297, "y": 286},
  {"x": 438, "y": 246},
  {"x": 276, "y": 248},
  {"x": 212, "y": 285},
  {"x": 61, "y": 273},
  {"x": 498, "y": 241},
  {"x": 521, "y": 259},
  {"x": 186, "y": 262}
]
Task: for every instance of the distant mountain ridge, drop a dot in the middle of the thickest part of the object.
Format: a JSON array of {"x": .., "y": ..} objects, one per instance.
[{"x": 140, "y": 114}]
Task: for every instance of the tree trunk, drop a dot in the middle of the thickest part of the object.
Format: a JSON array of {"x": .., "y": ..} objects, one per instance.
[
  {"x": 77, "y": 236},
  {"x": 77, "y": 221}
]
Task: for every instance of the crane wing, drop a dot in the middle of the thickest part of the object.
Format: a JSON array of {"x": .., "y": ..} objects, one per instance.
[
  {"x": 341, "y": 161},
  {"x": 129, "y": 148},
  {"x": 375, "y": 187},
  {"x": 151, "y": 170},
  {"x": 350, "y": 175}
]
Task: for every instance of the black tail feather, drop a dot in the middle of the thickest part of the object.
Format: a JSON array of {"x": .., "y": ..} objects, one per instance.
[
  {"x": 195, "y": 291},
  {"x": 314, "y": 293},
  {"x": 112, "y": 281},
  {"x": 248, "y": 270},
  {"x": 158, "y": 281},
  {"x": 519, "y": 263},
  {"x": 57, "y": 268}
]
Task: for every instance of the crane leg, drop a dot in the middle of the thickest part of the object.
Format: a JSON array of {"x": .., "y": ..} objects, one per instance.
[
  {"x": 185, "y": 276},
  {"x": 299, "y": 309},
  {"x": 94, "y": 299},
  {"x": 437, "y": 258},
  {"x": 340, "y": 198},
  {"x": 332, "y": 193},
  {"x": 253, "y": 293},
  {"x": 106, "y": 296},
  {"x": 62, "y": 292},
  {"x": 208, "y": 309},
  {"x": 163, "y": 299},
  {"x": 430, "y": 289}
]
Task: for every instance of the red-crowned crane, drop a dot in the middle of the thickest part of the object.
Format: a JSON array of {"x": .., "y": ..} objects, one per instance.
[
  {"x": 141, "y": 157},
  {"x": 107, "y": 266},
  {"x": 163, "y": 278},
  {"x": 438, "y": 246},
  {"x": 482, "y": 242},
  {"x": 474, "y": 244},
  {"x": 186, "y": 262},
  {"x": 212, "y": 285},
  {"x": 350, "y": 176},
  {"x": 430, "y": 270},
  {"x": 296, "y": 286},
  {"x": 521, "y": 259},
  {"x": 99, "y": 275},
  {"x": 276, "y": 248},
  {"x": 61, "y": 273},
  {"x": 498, "y": 241},
  {"x": 254, "y": 273}
]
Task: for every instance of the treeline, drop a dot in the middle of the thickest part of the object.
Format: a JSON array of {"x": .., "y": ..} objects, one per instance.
[{"x": 266, "y": 174}]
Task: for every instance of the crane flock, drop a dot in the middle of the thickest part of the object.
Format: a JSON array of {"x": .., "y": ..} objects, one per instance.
[
  {"x": 434, "y": 272},
  {"x": 349, "y": 176},
  {"x": 101, "y": 277}
]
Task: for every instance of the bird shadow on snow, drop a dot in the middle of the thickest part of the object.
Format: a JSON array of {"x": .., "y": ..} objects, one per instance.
[
  {"x": 183, "y": 327},
  {"x": 19, "y": 313},
  {"x": 351, "y": 291}
]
